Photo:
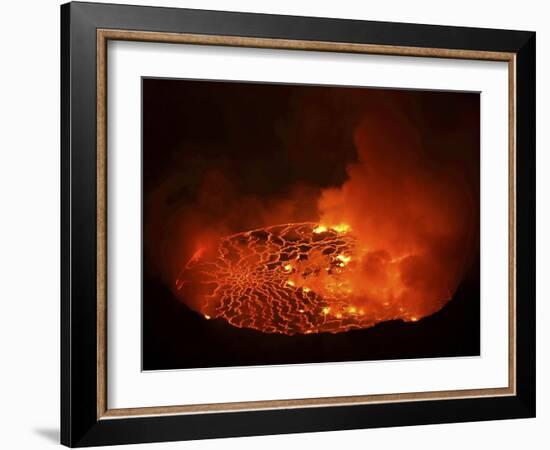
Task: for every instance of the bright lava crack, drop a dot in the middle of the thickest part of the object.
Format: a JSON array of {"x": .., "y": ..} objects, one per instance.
[{"x": 288, "y": 279}]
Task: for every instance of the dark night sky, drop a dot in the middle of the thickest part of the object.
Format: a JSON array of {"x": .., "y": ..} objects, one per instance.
[
  {"x": 271, "y": 135},
  {"x": 263, "y": 141}
]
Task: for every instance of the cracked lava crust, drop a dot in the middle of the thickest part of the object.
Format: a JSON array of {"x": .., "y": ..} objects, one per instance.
[{"x": 288, "y": 279}]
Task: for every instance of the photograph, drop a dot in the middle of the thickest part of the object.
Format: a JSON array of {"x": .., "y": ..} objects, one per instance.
[
  {"x": 300, "y": 224},
  {"x": 282, "y": 221},
  {"x": 275, "y": 225}
]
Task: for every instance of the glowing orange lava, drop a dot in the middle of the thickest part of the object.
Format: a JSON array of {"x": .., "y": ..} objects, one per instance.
[{"x": 301, "y": 278}]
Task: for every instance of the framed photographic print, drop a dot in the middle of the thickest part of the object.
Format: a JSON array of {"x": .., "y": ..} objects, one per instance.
[{"x": 276, "y": 224}]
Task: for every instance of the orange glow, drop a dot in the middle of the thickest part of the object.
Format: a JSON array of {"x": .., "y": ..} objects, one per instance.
[
  {"x": 390, "y": 243},
  {"x": 341, "y": 228},
  {"x": 319, "y": 229}
]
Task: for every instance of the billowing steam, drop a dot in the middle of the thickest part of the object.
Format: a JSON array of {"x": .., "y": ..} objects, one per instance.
[
  {"x": 413, "y": 221},
  {"x": 391, "y": 242}
]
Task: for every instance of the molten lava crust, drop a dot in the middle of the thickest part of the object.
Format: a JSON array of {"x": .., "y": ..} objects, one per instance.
[{"x": 287, "y": 279}]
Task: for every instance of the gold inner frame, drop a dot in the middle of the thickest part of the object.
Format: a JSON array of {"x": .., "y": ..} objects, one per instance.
[{"x": 103, "y": 36}]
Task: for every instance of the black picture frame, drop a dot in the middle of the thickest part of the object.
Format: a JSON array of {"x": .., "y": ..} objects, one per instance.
[{"x": 80, "y": 425}]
